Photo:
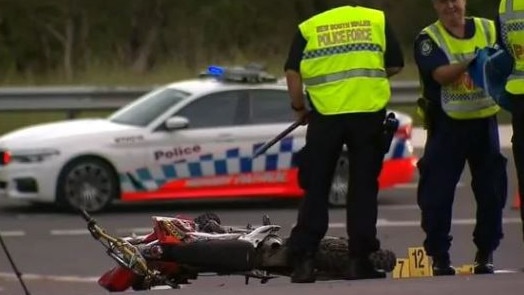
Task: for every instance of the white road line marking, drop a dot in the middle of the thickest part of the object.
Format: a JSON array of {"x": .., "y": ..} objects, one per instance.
[
  {"x": 414, "y": 185},
  {"x": 55, "y": 278},
  {"x": 399, "y": 207},
  {"x": 380, "y": 223},
  {"x": 502, "y": 271},
  {"x": 83, "y": 232},
  {"x": 13, "y": 233},
  {"x": 69, "y": 232},
  {"x": 414, "y": 223},
  {"x": 135, "y": 230}
]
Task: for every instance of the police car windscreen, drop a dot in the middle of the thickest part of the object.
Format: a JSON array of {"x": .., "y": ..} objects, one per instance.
[{"x": 149, "y": 107}]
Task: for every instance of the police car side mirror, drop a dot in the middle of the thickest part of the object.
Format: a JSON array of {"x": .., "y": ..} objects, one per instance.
[{"x": 177, "y": 122}]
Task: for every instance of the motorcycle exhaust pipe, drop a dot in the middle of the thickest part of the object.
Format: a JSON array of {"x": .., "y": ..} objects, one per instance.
[{"x": 212, "y": 255}]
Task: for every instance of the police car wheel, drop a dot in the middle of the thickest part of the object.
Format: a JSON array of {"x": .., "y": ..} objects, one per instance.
[
  {"x": 87, "y": 183},
  {"x": 339, "y": 185}
]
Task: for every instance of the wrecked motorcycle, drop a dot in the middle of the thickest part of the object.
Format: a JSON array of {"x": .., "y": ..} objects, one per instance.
[{"x": 180, "y": 248}]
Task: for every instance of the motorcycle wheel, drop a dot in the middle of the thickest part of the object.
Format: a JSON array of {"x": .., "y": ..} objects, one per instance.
[{"x": 332, "y": 257}]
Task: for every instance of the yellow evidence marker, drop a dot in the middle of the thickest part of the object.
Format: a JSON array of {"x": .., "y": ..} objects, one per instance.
[
  {"x": 466, "y": 269},
  {"x": 401, "y": 269},
  {"x": 419, "y": 262}
]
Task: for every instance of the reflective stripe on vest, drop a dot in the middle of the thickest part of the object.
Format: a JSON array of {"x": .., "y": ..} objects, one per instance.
[
  {"x": 344, "y": 75},
  {"x": 464, "y": 100},
  {"x": 342, "y": 64},
  {"x": 509, "y": 13},
  {"x": 512, "y": 22}
]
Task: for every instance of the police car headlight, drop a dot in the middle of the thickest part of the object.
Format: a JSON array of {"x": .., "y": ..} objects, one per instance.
[{"x": 33, "y": 155}]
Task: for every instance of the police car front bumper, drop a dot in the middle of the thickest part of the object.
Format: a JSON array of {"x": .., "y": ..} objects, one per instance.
[{"x": 33, "y": 182}]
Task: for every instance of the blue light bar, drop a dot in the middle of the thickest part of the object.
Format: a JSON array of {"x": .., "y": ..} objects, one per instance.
[{"x": 215, "y": 71}]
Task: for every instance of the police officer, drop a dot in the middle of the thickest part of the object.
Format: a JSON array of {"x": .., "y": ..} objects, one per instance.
[
  {"x": 510, "y": 29},
  {"x": 462, "y": 126},
  {"x": 343, "y": 56}
]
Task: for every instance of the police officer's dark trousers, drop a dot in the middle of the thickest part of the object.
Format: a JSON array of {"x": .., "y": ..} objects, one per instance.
[
  {"x": 517, "y": 122},
  {"x": 326, "y": 135},
  {"x": 450, "y": 143}
]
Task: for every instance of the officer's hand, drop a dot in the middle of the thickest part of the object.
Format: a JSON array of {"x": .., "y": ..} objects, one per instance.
[{"x": 302, "y": 116}]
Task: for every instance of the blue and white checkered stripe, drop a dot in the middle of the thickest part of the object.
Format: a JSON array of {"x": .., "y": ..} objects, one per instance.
[
  {"x": 341, "y": 49},
  {"x": 232, "y": 161}
]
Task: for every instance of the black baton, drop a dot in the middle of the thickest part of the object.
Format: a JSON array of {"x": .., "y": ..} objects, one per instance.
[{"x": 276, "y": 139}]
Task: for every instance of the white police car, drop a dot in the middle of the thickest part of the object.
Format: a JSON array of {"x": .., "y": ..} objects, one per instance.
[{"x": 187, "y": 140}]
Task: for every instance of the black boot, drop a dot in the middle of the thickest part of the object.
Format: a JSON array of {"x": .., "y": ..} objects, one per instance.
[
  {"x": 304, "y": 269},
  {"x": 442, "y": 266},
  {"x": 484, "y": 263},
  {"x": 361, "y": 268}
]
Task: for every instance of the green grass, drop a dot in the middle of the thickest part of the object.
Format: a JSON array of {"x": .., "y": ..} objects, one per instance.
[
  {"x": 10, "y": 121},
  {"x": 108, "y": 74}
]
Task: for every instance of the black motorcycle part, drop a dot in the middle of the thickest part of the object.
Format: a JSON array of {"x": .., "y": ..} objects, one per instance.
[
  {"x": 212, "y": 255},
  {"x": 331, "y": 259},
  {"x": 202, "y": 219}
]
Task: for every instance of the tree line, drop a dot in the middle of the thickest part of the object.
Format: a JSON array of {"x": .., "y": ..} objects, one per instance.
[{"x": 67, "y": 36}]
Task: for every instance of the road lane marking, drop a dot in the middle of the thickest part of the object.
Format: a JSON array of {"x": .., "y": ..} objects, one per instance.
[
  {"x": 69, "y": 232},
  {"x": 13, "y": 233},
  {"x": 333, "y": 225},
  {"x": 54, "y": 278},
  {"x": 135, "y": 230},
  {"x": 398, "y": 207},
  {"x": 415, "y": 223},
  {"x": 414, "y": 185}
]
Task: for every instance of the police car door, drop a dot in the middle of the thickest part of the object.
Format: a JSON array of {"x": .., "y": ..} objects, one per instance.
[
  {"x": 200, "y": 158},
  {"x": 270, "y": 114}
]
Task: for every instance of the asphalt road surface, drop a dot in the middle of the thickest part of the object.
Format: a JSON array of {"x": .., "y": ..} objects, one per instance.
[{"x": 56, "y": 255}]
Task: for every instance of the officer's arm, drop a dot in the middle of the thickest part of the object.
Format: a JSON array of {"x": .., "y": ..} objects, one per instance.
[
  {"x": 393, "y": 58},
  {"x": 292, "y": 71},
  {"x": 431, "y": 59},
  {"x": 294, "y": 86},
  {"x": 448, "y": 74}
]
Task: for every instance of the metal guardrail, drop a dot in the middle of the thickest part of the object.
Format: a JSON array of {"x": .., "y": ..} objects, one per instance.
[{"x": 75, "y": 99}]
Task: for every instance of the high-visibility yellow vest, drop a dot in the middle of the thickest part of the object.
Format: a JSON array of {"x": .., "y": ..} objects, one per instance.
[
  {"x": 463, "y": 99},
  {"x": 511, "y": 14},
  {"x": 343, "y": 62}
]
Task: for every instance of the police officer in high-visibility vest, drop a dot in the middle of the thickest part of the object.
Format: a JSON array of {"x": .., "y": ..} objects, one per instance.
[
  {"x": 510, "y": 26},
  {"x": 344, "y": 56},
  {"x": 462, "y": 126}
]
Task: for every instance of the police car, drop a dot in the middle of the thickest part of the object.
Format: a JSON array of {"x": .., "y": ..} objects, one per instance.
[{"x": 187, "y": 140}]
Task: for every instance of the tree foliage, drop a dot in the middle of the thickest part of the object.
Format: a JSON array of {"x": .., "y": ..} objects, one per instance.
[{"x": 42, "y": 36}]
